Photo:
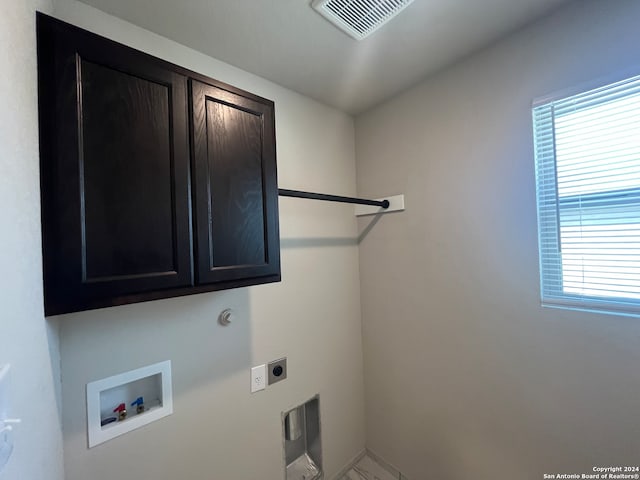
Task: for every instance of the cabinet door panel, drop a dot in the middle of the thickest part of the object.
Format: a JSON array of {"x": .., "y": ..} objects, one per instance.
[
  {"x": 126, "y": 190},
  {"x": 235, "y": 176},
  {"x": 235, "y": 187},
  {"x": 115, "y": 171}
]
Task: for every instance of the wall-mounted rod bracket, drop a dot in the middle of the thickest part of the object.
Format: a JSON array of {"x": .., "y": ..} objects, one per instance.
[{"x": 332, "y": 198}]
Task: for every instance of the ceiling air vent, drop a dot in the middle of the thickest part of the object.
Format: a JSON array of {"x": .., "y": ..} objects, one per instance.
[{"x": 359, "y": 18}]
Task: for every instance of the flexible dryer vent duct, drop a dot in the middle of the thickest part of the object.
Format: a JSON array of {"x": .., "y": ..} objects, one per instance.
[{"x": 359, "y": 18}]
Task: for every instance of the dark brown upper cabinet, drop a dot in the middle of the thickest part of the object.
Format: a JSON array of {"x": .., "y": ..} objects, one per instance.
[{"x": 155, "y": 181}]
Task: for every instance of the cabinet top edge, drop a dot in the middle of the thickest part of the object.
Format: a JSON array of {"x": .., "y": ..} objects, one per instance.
[{"x": 50, "y": 25}]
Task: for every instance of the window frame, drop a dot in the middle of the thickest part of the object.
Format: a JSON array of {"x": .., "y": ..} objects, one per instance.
[{"x": 558, "y": 298}]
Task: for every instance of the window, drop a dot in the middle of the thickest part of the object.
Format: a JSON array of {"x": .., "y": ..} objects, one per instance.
[{"x": 587, "y": 152}]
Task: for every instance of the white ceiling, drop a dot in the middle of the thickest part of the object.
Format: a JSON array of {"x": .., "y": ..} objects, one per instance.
[{"x": 287, "y": 42}]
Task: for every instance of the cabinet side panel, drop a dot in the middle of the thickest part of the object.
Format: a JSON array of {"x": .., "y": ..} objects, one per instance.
[
  {"x": 234, "y": 140},
  {"x": 126, "y": 169}
]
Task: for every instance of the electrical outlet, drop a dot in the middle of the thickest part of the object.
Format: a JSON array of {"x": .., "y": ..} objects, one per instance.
[
  {"x": 277, "y": 370},
  {"x": 258, "y": 378}
]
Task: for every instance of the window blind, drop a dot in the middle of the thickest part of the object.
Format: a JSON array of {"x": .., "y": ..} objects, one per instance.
[{"x": 587, "y": 153}]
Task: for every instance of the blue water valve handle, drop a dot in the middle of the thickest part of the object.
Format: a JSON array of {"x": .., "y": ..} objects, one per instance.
[{"x": 139, "y": 403}]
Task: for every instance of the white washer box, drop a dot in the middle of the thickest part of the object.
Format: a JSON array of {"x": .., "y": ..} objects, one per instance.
[{"x": 152, "y": 382}]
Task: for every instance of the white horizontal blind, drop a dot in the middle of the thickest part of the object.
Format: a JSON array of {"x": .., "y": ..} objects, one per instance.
[{"x": 587, "y": 151}]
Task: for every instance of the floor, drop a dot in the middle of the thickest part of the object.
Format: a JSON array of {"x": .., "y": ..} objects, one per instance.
[{"x": 368, "y": 469}]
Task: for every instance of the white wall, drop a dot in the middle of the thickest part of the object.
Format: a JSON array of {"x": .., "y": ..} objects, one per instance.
[
  {"x": 466, "y": 375},
  {"x": 27, "y": 341},
  {"x": 219, "y": 430}
]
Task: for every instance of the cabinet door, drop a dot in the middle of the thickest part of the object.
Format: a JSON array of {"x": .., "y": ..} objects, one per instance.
[
  {"x": 114, "y": 171},
  {"x": 235, "y": 186}
]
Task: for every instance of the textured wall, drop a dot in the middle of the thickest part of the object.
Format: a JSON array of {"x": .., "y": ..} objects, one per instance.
[
  {"x": 466, "y": 375},
  {"x": 219, "y": 430},
  {"x": 27, "y": 341}
]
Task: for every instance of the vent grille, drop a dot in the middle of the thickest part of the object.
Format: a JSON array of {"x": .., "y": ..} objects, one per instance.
[{"x": 359, "y": 18}]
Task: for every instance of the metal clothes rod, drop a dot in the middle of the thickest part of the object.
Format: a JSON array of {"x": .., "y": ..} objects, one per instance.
[{"x": 332, "y": 198}]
